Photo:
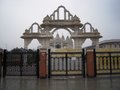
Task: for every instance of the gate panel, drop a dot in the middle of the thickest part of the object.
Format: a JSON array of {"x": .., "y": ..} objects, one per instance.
[
  {"x": 108, "y": 62},
  {"x": 21, "y": 63},
  {"x": 29, "y": 63},
  {"x": 0, "y": 64},
  {"x": 13, "y": 61},
  {"x": 74, "y": 63},
  {"x": 65, "y": 63},
  {"x": 58, "y": 64}
]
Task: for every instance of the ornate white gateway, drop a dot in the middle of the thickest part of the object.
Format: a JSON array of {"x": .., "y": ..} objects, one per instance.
[{"x": 58, "y": 20}]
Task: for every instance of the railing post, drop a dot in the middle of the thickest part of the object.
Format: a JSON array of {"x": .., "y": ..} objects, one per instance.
[
  {"x": 94, "y": 51},
  {"x": 21, "y": 63},
  {"x": 83, "y": 62},
  {"x": 110, "y": 63},
  {"x": 0, "y": 63},
  {"x": 37, "y": 62},
  {"x": 66, "y": 59},
  {"x": 4, "y": 63},
  {"x": 49, "y": 64}
]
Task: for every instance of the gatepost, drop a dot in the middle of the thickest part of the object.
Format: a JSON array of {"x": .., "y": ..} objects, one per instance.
[
  {"x": 91, "y": 63},
  {"x": 42, "y": 63},
  {"x": 0, "y": 63}
]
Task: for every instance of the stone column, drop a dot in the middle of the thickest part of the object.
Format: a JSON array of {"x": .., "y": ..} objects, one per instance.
[
  {"x": 47, "y": 43},
  {"x": 81, "y": 41},
  {"x": 76, "y": 43},
  {"x": 41, "y": 42},
  {"x": 64, "y": 14},
  {"x": 95, "y": 41},
  {"x": 27, "y": 42},
  {"x": 68, "y": 16},
  {"x": 57, "y": 15}
]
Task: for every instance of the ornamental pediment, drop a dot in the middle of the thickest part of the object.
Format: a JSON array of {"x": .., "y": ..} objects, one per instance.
[{"x": 61, "y": 13}]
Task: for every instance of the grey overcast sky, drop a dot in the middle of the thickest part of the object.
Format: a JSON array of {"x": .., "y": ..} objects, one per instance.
[{"x": 18, "y": 15}]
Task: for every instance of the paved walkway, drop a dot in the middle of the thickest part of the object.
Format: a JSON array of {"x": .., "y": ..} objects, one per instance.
[{"x": 32, "y": 83}]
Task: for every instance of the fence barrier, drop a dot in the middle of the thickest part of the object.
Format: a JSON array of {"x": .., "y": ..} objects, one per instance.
[
  {"x": 65, "y": 63},
  {"x": 107, "y": 63},
  {"x": 0, "y": 64},
  {"x": 27, "y": 63},
  {"x": 20, "y": 63}
]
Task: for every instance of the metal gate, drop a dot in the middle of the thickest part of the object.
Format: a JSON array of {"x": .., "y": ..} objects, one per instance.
[
  {"x": 107, "y": 63},
  {"x": 66, "y": 64},
  {"x": 23, "y": 63},
  {"x": 0, "y": 64}
]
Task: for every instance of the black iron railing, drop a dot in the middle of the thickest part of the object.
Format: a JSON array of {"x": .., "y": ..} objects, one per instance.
[
  {"x": 1, "y": 64},
  {"x": 20, "y": 63}
]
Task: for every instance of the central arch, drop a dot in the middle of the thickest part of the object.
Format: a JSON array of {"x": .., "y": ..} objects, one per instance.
[
  {"x": 55, "y": 21},
  {"x": 61, "y": 32},
  {"x": 67, "y": 29}
]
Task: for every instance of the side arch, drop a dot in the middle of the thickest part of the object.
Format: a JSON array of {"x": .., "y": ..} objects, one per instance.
[
  {"x": 84, "y": 27},
  {"x": 38, "y": 27}
]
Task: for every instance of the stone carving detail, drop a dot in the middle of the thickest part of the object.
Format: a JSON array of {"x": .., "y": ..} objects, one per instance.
[
  {"x": 61, "y": 42},
  {"x": 69, "y": 22}
]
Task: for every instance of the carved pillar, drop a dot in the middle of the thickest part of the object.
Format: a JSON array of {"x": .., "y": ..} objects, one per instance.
[
  {"x": 41, "y": 42},
  {"x": 45, "y": 42},
  {"x": 95, "y": 41},
  {"x": 54, "y": 16},
  {"x": 81, "y": 41},
  {"x": 78, "y": 42},
  {"x": 64, "y": 14},
  {"x": 75, "y": 43},
  {"x": 27, "y": 42},
  {"x": 57, "y": 15},
  {"x": 68, "y": 16}
]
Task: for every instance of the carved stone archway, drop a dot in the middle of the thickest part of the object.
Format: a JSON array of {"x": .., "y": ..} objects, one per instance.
[
  {"x": 54, "y": 21},
  {"x": 40, "y": 35},
  {"x": 82, "y": 35}
]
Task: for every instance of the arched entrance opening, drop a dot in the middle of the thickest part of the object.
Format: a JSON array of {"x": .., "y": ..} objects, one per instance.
[
  {"x": 61, "y": 32},
  {"x": 61, "y": 39},
  {"x": 61, "y": 13},
  {"x": 35, "y": 28},
  {"x": 88, "y": 28},
  {"x": 87, "y": 43}
]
